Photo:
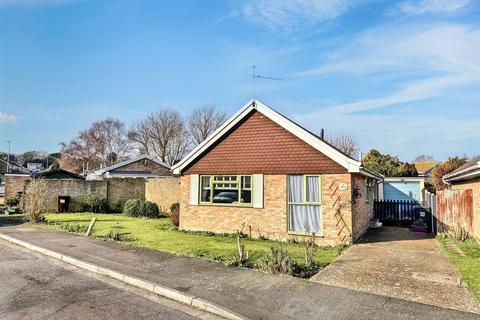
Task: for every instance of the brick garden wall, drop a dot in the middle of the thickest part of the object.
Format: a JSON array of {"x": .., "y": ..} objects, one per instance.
[
  {"x": 15, "y": 184},
  {"x": 163, "y": 191},
  {"x": 120, "y": 190},
  {"x": 271, "y": 220}
]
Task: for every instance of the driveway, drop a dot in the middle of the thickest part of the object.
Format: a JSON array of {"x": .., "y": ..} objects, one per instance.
[{"x": 397, "y": 263}]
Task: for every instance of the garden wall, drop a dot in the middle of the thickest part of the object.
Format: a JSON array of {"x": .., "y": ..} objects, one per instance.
[
  {"x": 163, "y": 191},
  {"x": 116, "y": 191},
  {"x": 15, "y": 183}
]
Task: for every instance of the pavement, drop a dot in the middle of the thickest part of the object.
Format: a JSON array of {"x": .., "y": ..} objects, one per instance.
[
  {"x": 397, "y": 263},
  {"x": 249, "y": 293},
  {"x": 33, "y": 287}
]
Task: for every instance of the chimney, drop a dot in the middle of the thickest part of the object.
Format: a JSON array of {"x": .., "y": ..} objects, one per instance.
[{"x": 322, "y": 133}]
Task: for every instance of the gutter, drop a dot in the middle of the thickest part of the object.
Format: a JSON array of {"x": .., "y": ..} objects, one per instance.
[{"x": 462, "y": 173}]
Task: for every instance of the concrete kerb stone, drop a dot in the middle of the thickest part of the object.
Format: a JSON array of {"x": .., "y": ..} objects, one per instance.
[{"x": 166, "y": 292}]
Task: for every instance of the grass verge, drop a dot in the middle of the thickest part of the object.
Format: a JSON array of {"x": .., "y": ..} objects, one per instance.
[
  {"x": 160, "y": 234},
  {"x": 468, "y": 265}
]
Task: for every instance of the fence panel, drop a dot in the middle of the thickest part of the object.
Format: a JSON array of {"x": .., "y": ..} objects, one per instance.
[{"x": 454, "y": 210}]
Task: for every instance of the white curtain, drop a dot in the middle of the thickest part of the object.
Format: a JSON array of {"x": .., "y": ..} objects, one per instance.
[
  {"x": 313, "y": 191},
  {"x": 295, "y": 188},
  {"x": 304, "y": 218}
]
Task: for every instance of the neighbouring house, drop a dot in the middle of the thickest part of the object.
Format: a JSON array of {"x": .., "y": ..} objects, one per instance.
[
  {"x": 265, "y": 175},
  {"x": 461, "y": 202},
  {"x": 56, "y": 174},
  {"x": 425, "y": 168},
  {"x": 139, "y": 167},
  {"x": 12, "y": 167},
  {"x": 34, "y": 167},
  {"x": 402, "y": 188},
  {"x": 15, "y": 183}
]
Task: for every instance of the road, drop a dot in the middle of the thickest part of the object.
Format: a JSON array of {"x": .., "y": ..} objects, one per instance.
[{"x": 35, "y": 287}]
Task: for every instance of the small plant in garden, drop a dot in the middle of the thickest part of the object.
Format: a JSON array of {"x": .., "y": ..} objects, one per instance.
[
  {"x": 12, "y": 201},
  {"x": 310, "y": 248},
  {"x": 96, "y": 204},
  {"x": 76, "y": 228},
  {"x": 114, "y": 235},
  {"x": 419, "y": 222},
  {"x": 35, "y": 201},
  {"x": 175, "y": 213},
  {"x": 460, "y": 234}
]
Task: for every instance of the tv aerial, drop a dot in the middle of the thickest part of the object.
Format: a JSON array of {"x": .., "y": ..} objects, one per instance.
[{"x": 257, "y": 76}]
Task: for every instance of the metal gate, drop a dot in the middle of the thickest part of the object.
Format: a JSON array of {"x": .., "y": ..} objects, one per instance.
[{"x": 401, "y": 212}]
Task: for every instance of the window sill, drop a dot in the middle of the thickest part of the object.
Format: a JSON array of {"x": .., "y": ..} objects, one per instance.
[
  {"x": 303, "y": 234},
  {"x": 238, "y": 205}
]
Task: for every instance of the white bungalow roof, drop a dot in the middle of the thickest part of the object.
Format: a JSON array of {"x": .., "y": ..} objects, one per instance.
[{"x": 123, "y": 163}]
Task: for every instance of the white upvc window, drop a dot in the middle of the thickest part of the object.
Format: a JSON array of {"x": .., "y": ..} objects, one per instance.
[{"x": 304, "y": 204}]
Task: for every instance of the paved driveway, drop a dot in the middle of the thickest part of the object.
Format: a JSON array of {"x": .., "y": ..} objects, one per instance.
[{"x": 397, "y": 263}]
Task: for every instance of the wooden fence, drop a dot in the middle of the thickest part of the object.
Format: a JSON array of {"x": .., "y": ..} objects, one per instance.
[
  {"x": 396, "y": 211},
  {"x": 455, "y": 211}
]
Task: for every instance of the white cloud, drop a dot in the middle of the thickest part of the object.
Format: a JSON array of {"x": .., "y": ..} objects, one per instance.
[
  {"x": 288, "y": 15},
  {"x": 5, "y": 117},
  {"x": 406, "y": 48},
  {"x": 34, "y": 2},
  {"x": 431, "y": 6}
]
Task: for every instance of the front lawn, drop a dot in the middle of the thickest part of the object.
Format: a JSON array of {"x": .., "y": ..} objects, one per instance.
[
  {"x": 468, "y": 265},
  {"x": 161, "y": 235}
]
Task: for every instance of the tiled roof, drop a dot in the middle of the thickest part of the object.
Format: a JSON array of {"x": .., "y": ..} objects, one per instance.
[{"x": 424, "y": 166}]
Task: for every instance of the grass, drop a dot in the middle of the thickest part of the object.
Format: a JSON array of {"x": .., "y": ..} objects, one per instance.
[
  {"x": 468, "y": 265},
  {"x": 11, "y": 218},
  {"x": 160, "y": 234}
]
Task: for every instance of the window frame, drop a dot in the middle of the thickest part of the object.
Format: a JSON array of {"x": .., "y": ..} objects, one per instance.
[
  {"x": 239, "y": 189},
  {"x": 305, "y": 203}
]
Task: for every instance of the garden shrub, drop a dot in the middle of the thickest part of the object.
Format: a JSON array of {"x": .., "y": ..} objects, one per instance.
[
  {"x": 175, "y": 214},
  {"x": 139, "y": 208},
  {"x": 35, "y": 202},
  {"x": 12, "y": 201},
  {"x": 96, "y": 204},
  {"x": 277, "y": 261},
  {"x": 150, "y": 210},
  {"x": 133, "y": 207}
]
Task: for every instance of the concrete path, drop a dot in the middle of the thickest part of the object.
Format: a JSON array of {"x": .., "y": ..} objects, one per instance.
[
  {"x": 250, "y": 293},
  {"x": 397, "y": 263}
]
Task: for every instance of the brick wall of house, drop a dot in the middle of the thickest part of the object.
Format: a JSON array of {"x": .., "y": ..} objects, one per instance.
[
  {"x": 271, "y": 221},
  {"x": 259, "y": 145},
  {"x": 145, "y": 165},
  {"x": 15, "y": 184},
  {"x": 473, "y": 184},
  {"x": 163, "y": 191},
  {"x": 362, "y": 202}
]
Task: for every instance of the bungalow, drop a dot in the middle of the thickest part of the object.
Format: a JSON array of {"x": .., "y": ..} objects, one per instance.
[
  {"x": 142, "y": 166},
  {"x": 264, "y": 174}
]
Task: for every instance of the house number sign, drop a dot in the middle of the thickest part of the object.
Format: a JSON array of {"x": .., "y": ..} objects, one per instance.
[{"x": 343, "y": 186}]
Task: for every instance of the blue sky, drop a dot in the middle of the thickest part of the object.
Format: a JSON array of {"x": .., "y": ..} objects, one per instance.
[{"x": 403, "y": 77}]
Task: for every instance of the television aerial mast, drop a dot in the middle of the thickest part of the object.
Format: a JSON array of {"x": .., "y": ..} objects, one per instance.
[{"x": 255, "y": 76}]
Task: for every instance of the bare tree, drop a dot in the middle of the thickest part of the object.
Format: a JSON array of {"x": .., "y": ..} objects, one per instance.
[
  {"x": 345, "y": 142},
  {"x": 162, "y": 134},
  {"x": 423, "y": 158},
  {"x": 103, "y": 144},
  {"x": 204, "y": 121}
]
